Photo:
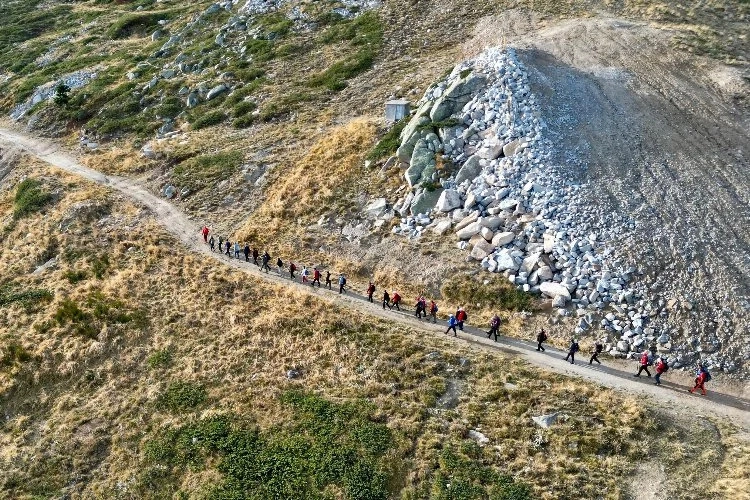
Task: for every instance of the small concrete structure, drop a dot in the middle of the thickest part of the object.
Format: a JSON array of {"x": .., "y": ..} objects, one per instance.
[{"x": 396, "y": 110}]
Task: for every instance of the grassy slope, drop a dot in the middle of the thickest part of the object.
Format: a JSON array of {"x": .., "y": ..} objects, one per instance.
[{"x": 148, "y": 344}]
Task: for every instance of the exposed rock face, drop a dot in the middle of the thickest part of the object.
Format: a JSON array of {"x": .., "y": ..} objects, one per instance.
[{"x": 456, "y": 96}]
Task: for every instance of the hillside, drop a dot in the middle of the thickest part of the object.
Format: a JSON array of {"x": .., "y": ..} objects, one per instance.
[{"x": 575, "y": 166}]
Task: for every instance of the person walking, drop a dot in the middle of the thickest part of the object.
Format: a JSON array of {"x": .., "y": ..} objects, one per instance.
[
  {"x": 541, "y": 337},
  {"x": 572, "y": 350},
  {"x": 598, "y": 348},
  {"x": 280, "y": 265},
  {"x": 237, "y": 249},
  {"x": 212, "y": 243},
  {"x": 370, "y": 291},
  {"x": 461, "y": 316},
  {"x": 386, "y": 299},
  {"x": 342, "y": 283},
  {"x": 305, "y": 273},
  {"x": 221, "y": 244},
  {"x": 246, "y": 250},
  {"x": 266, "y": 259},
  {"x": 644, "y": 365},
  {"x": 420, "y": 307},
  {"x": 328, "y": 279},
  {"x": 433, "y": 311},
  {"x": 205, "y": 233},
  {"x": 227, "y": 246},
  {"x": 452, "y": 322},
  {"x": 316, "y": 277},
  {"x": 702, "y": 376},
  {"x": 255, "y": 256},
  {"x": 292, "y": 268},
  {"x": 661, "y": 367},
  {"x": 494, "y": 326},
  {"x": 396, "y": 300}
]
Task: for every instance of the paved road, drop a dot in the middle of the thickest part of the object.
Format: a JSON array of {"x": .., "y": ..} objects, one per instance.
[{"x": 188, "y": 232}]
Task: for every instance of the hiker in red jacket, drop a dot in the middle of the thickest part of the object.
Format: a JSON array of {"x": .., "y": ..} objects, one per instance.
[
  {"x": 702, "y": 377},
  {"x": 316, "y": 278},
  {"x": 661, "y": 367},
  {"x": 644, "y": 365},
  {"x": 292, "y": 268},
  {"x": 433, "y": 311},
  {"x": 370, "y": 291},
  {"x": 396, "y": 300},
  {"x": 461, "y": 316},
  {"x": 205, "y": 233}
]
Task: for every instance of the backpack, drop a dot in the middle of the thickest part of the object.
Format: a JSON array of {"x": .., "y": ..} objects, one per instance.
[
  {"x": 575, "y": 347},
  {"x": 707, "y": 376},
  {"x": 343, "y": 281},
  {"x": 665, "y": 366},
  {"x": 292, "y": 267},
  {"x": 435, "y": 308},
  {"x": 599, "y": 348}
]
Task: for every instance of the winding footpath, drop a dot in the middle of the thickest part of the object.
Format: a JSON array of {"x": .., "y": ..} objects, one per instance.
[{"x": 617, "y": 376}]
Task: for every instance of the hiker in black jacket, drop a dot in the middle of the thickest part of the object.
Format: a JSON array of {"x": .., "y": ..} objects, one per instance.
[
  {"x": 386, "y": 299},
  {"x": 598, "y": 348},
  {"x": 540, "y": 339},
  {"x": 572, "y": 350}
]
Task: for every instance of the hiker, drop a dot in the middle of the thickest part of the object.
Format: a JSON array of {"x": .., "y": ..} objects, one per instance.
[
  {"x": 598, "y": 348},
  {"x": 212, "y": 243},
  {"x": 205, "y": 233},
  {"x": 255, "y": 256},
  {"x": 396, "y": 300},
  {"x": 370, "y": 291},
  {"x": 316, "y": 277},
  {"x": 236, "y": 249},
  {"x": 452, "y": 322},
  {"x": 702, "y": 376},
  {"x": 266, "y": 258},
  {"x": 292, "y": 268},
  {"x": 342, "y": 283},
  {"x": 280, "y": 265},
  {"x": 433, "y": 311},
  {"x": 494, "y": 326},
  {"x": 227, "y": 246},
  {"x": 305, "y": 273},
  {"x": 221, "y": 244},
  {"x": 461, "y": 316},
  {"x": 644, "y": 364},
  {"x": 572, "y": 350},
  {"x": 386, "y": 299},
  {"x": 541, "y": 337},
  {"x": 247, "y": 253},
  {"x": 661, "y": 367},
  {"x": 420, "y": 308},
  {"x": 328, "y": 279}
]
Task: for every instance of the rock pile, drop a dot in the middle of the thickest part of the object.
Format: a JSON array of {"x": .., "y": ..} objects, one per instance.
[{"x": 513, "y": 211}]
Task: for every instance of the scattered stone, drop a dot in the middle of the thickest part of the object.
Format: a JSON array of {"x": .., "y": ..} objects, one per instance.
[{"x": 545, "y": 421}]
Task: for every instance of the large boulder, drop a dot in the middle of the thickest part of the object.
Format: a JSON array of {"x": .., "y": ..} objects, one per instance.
[
  {"x": 449, "y": 200},
  {"x": 502, "y": 239},
  {"x": 505, "y": 261},
  {"x": 376, "y": 207},
  {"x": 422, "y": 164},
  {"x": 469, "y": 231},
  {"x": 456, "y": 96},
  {"x": 216, "y": 91},
  {"x": 424, "y": 202},
  {"x": 554, "y": 290},
  {"x": 469, "y": 170}
]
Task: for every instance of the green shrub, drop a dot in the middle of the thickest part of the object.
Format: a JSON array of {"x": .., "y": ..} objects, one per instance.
[
  {"x": 389, "y": 143},
  {"x": 30, "y": 198},
  {"x": 9, "y": 295},
  {"x": 74, "y": 277},
  {"x": 99, "y": 265},
  {"x": 181, "y": 396},
  {"x": 169, "y": 108},
  {"x": 81, "y": 321},
  {"x": 135, "y": 24},
  {"x": 208, "y": 119},
  {"x": 160, "y": 359},
  {"x": 243, "y": 108},
  {"x": 201, "y": 171},
  {"x": 14, "y": 353}
]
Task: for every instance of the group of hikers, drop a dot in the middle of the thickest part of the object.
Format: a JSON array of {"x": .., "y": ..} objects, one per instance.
[
  {"x": 455, "y": 321},
  {"x": 646, "y": 359}
]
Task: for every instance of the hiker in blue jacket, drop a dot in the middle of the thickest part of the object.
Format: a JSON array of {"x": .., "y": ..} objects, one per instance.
[
  {"x": 572, "y": 350},
  {"x": 452, "y": 322}
]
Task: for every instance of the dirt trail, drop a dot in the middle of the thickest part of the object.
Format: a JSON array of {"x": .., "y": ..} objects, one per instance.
[{"x": 737, "y": 409}]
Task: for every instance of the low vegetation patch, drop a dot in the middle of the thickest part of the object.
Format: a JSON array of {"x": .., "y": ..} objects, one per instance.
[
  {"x": 10, "y": 294},
  {"x": 181, "y": 397},
  {"x": 30, "y": 198},
  {"x": 324, "y": 447},
  {"x": 462, "y": 289},
  {"x": 203, "y": 171},
  {"x": 389, "y": 143}
]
